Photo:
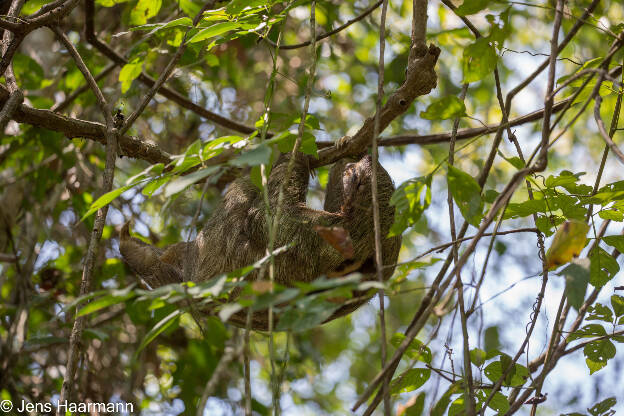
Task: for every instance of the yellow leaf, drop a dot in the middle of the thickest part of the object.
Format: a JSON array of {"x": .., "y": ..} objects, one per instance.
[{"x": 568, "y": 243}]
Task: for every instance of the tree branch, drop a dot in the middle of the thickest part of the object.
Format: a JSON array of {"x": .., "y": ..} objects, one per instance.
[
  {"x": 48, "y": 14},
  {"x": 71, "y": 127}
]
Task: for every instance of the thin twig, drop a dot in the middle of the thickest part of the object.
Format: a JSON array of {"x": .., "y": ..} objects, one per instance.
[
  {"x": 75, "y": 339},
  {"x": 246, "y": 363},
  {"x": 60, "y": 106},
  {"x": 469, "y": 389},
  {"x": 375, "y": 203},
  {"x": 91, "y": 82},
  {"x": 543, "y": 157},
  {"x": 330, "y": 33},
  {"x": 459, "y": 240},
  {"x": 231, "y": 353}
]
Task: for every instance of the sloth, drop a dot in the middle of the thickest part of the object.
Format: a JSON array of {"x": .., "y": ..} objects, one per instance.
[{"x": 237, "y": 235}]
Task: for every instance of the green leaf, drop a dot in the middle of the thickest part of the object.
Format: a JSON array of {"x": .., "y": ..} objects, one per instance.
[
  {"x": 308, "y": 144},
  {"x": 236, "y": 6},
  {"x": 305, "y": 314},
  {"x": 129, "y": 73},
  {"x": 156, "y": 27},
  {"x": 499, "y": 33},
  {"x": 190, "y": 7},
  {"x": 616, "y": 241},
  {"x": 515, "y": 161},
  {"x": 477, "y": 356},
  {"x": 467, "y": 194},
  {"x": 449, "y": 107},
  {"x": 491, "y": 339},
  {"x": 410, "y": 380},
  {"x": 260, "y": 155},
  {"x": 517, "y": 377},
  {"x": 154, "y": 170},
  {"x": 569, "y": 205},
  {"x": 603, "y": 267},
  {"x": 490, "y": 196},
  {"x": 611, "y": 214},
  {"x": 32, "y": 6},
  {"x": 153, "y": 185},
  {"x": 416, "y": 349},
  {"x": 415, "y": 406},
  {"x": 617, "y": 303},
  {"x": 565, "y": 178},
  {"x": 588, "y": 331},
  {"x": 458, "y": 407},
  {"x": 599, "y": 312},
  {"x": 602, "y": 408},
  {"x": 479, "y": 60},
  {"x": 28, "y": 72},
  {"x": 103, "y": 302},
  {"x": 214, "y": 30},
  {"x": 403, "y": 270},
  {"x": 526, "y": 208},
  {"x": 181, "y": 183},
  {"x": 106, "y": 199},
  {"x": 285, "y": 141},
  {"x": 547, "y": 223},
  {"x": 598, "y": 353},
  {"x": 311, "y": 122},
  {"x": 411, "y": 199},
  {"x": 577, "y": 278},
  {"x": 444, "y": 401},
  {"x": 498, "y": 402},
  {"x": 469, "y": 7},
  {"x": 165, "y": 323},
  {"x": 144, "y": 9}
]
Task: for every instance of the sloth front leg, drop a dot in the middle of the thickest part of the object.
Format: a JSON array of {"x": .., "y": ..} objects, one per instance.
[{"x": 155, "y": 266}]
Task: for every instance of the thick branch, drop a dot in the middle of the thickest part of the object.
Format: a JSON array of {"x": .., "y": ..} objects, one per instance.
[
  {"x": 462, "y": 134},
  {"x": 71, "y": 127},
  {"x": 54, "y": 12}
]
